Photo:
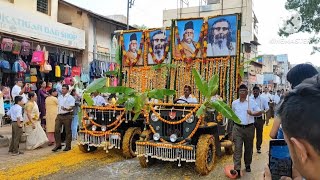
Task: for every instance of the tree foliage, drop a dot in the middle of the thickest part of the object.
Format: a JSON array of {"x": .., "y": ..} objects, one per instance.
[
  {"x": 310, "y": 13},
  {"x": 140, "y": 26}
]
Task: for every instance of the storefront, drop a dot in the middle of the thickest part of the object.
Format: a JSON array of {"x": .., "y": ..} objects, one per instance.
[{"x": 37, "y": 48}]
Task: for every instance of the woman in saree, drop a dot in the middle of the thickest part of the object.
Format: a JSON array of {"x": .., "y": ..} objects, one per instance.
[{"x": 36, "y": 137}]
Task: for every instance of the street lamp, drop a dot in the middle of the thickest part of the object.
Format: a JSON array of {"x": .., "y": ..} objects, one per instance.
[{"x": 130, "y": 4}]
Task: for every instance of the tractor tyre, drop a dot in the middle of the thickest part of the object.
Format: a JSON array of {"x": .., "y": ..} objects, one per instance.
[
  {"x": 205, "y": 154},
  {"x": 129, "y": 142}
]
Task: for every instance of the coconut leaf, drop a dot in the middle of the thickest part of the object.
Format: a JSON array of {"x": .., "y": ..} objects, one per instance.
[
  {"x": 201, "y": 110},
  {"x": 95, "y": 85},
  {"x": 160, "y": 93},
  {"x": 200, "y": 82},
  {"x": 225, "y": 110},
  {"x": 118, "y": 89},
  {"x": 88, "y": 99}
]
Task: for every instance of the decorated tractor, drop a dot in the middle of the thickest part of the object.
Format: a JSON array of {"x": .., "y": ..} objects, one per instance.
[
  {"x": 109, "y": 127},
  {"x": 156, "y": 65},
  {"x": 188, "y": 132}
]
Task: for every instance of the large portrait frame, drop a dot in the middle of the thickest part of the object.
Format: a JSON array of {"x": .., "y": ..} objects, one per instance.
[
  {"x": 158, "y": 46},
  {"x": 132, "y": 48},
  {"x": 222, "y": 36},
  {"x": 188, "y": 38}
]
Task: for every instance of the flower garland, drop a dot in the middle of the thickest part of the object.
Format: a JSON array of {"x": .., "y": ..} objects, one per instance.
[
  {"x": 205, "y": 43},
  {"x": 132, "y": 62},
  {"x": 112, "y": 124},
  {"x": 174, "y": 122},
  {"x": 158, "y": 61},
  {"x": 183, "y": 141}
]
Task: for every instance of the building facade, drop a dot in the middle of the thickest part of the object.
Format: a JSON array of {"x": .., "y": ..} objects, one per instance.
[
  {"x": 35, "y": 22},
  {"x": 99, "y": 31}
]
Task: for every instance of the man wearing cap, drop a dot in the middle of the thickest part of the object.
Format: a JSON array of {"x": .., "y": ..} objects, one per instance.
[
  {"x": 132, "y": 53},
  {"x": 187, "y": 43}
]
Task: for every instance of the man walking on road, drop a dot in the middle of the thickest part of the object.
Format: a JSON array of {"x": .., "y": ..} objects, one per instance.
[
  {"x": 243, "y": 133},
  {"x": 266, "y": 95},
  {"x": 259, "y": 120},
  {"x": 65, "y": 114}
]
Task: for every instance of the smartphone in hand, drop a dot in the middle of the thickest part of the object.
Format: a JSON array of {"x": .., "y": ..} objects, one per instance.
[{"x": 280, "y": 162}]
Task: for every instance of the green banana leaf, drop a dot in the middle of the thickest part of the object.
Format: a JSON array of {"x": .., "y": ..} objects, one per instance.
[
  {"x": 111, "y": 73},
  {"x": 225, "y": 110},
  {"x": 213, "y": 85},
  {"x": 200, "y": 82},
  {"x": 117, "y": 89},
  {"x": 201, "y": 110},
  {"x": 118, "y": 55},
  {"x": 96, "y": 85},
  {"x": 130, "y": 104},
  {"x": 88, "y": 99},
  {"x": 160, "y": 93}
]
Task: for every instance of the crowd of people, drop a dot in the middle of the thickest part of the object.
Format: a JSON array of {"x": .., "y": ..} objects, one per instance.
[
  {"x": 43, "y": 115},
  {"x": 296, "y": 119}
]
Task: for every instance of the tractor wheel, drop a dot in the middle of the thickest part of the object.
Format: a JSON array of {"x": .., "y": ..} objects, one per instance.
[
  {"x": 205, "y": 154},
  {"x": 85, "y": 148},
  {"x": 129, "y": 142},
  {"x": 143, "y": 160}
]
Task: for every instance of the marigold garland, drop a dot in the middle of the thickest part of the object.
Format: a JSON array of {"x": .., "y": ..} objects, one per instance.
[{"x": 174, "y": 122}]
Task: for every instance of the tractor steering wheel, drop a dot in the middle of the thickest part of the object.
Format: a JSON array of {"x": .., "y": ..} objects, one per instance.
[{"x": 182, "y": 100}]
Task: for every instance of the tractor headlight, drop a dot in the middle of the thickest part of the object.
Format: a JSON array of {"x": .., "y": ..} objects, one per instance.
[
  {"x": 173, "y": 138},
  {"x": 190, "y": 119},
  {"x": 103, "y": 128},
  {"x": 156, "y": 136},
  {"x": 187, "y": 129},
  {"x": 94, "y": 128},
  {"x": 154, "y": 117}
]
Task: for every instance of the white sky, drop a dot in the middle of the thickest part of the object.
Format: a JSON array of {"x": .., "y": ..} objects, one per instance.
[{"x": 268, "y": 12}]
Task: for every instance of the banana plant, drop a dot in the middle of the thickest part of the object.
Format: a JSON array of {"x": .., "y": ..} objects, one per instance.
[
  {"x": 165, "y": 66},
  {"x": 209, "y": 89},
  {"x": 131, "y": 99}
]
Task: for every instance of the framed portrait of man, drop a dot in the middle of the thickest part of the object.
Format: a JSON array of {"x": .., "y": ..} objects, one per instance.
[
  {"x": 222, "y": 36},
  {"x": 189, "y": 34},
  {"x": 131, "y": 42},
  {"x": 158, "y": 46}
]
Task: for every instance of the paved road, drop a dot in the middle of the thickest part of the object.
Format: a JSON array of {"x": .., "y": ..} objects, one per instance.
[{"x": 75, "y": 165}]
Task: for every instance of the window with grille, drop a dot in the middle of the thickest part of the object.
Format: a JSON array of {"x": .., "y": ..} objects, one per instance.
[{"x": 43, "y": 6}]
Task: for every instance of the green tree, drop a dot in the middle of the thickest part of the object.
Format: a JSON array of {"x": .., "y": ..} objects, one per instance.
[
  {"x": 310, "y": 13},
  {"x": 140, "y": 26}
]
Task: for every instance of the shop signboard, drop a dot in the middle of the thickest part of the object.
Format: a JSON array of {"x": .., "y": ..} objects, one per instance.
[{"x": 40, "y": 27}]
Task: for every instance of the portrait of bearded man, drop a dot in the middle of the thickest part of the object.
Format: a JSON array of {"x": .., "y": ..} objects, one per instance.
[
  {"x": 158, "y": 44},
  {"x": 132, "y": 51},
  {"x": 188, "y": 44},
  {"x": 220, "y": 42}
]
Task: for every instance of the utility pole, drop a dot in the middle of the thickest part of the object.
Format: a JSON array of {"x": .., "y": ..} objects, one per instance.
[{"x": 130, "y": 4}]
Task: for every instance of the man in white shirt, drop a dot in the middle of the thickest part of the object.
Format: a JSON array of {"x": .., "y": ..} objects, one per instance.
[
  {"x": 98, "y": 100},
  {"x": 65, "y": 114},
  {"x": 17, "y": 90},
  {"x": 243, "y": 133},
  {"x": 259, "y": 120},
  {"x": 266, "y": 95},
  {"x": 187, "y": 98},
  {"x": 15, "y": 114},
  {"x": 276, "y": 97}
]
